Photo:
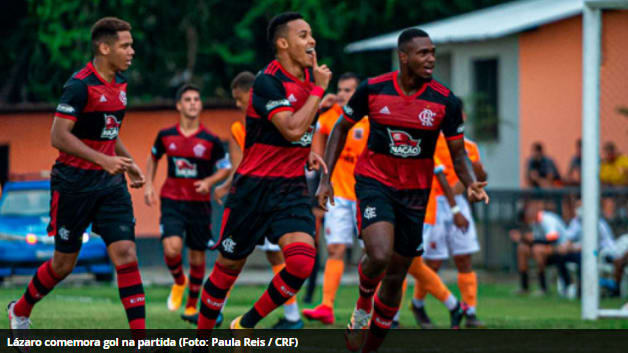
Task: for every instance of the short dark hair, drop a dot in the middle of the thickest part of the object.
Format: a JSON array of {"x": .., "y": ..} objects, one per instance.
[
  {"x": 537, "y": 146},
  {"x": 349, "y": 76},
  {"x": 186, "y": 87},
  {"x": 106, "y": 30},
  {"x": 278, "y": 23},
  {"x": 243, "y": 81},
  {"x": 409, "y": 34}
]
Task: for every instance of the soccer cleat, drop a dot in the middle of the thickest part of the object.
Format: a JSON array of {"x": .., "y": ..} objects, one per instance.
[
  {"x": 471, "y": 321},
  {"x": 455, "y": 315},
  {"x": 18, "y": 323},
  {"x": 357, "y": 329},
  {"x": 395, "y": 324},
  {"x": 321, "y": 313},
  {"x": 176, "y": 295},
  {"x": 421, "y": 317},
  {"x": 219, "y": 319},
  {"x": 235, "y": 324},
  {"x": 285, "y": 324},
  {"x": 191, "y": 315}
]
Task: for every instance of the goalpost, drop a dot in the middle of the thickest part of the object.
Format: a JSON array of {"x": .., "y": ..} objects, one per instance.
[{"x": 591, "y": 65}]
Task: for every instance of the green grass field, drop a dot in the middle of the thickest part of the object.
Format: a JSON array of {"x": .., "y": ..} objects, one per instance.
[{"x": 98, "y": 306}]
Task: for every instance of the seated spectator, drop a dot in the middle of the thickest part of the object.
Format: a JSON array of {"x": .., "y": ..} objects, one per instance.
[
  {"x": 574, "y": 175},
  {"x": 542, "y": 171},
  {"x": 614, "y": 167}
]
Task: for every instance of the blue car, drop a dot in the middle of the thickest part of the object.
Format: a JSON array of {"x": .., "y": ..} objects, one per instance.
[{"x": 24, "y": 241}]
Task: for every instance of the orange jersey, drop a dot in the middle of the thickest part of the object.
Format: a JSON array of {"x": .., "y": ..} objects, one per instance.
[
  {"x": 239, "y": 133},
  {"x": 442, "y": 154},
  {"x": 342, "y": 178},
  {"x": 430, "y": 210}
]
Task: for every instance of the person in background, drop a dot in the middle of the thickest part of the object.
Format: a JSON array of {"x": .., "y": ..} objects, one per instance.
[
  {"x": 614, "y": 166},
  {"x": 542, "y": 171},
  {"x": 574, "y": 175}
]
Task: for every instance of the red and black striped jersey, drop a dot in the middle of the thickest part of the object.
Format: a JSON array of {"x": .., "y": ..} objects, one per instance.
[
  {"x": 97, "y": 108},
  {"x": 404, "y": 129},
  {"x": 190, "y": 158},
  {"x": 267, "y": 153}
]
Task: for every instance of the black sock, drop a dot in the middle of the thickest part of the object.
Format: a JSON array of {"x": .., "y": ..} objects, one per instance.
[
  {"x": 542, "y": 281},
  {"x": 251, "y": 318},
  {"x": 523, "y": 275}
]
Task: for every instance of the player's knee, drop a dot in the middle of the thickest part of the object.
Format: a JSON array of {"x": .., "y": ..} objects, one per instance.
[
  {"x": 380, "y": 258},
  {"x": 123, "y": 256},
  {"x": 62, "y": 269},
  {"x": 300, "y": 263}
]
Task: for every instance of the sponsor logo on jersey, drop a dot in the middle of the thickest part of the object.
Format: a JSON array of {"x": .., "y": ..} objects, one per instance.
[
  {"x": 172, "y": 146},
  {"x": 277, "y": 103},
  {"x": 306, "y": 139},
  {"x": 460, "y": 129},
  {"x": 385, "y": 110},
  {"x": 228, "y": 245},
  {"x": 122, "y": 98},
  {"x": 65, "y": 108},
  {"x": 112, "y": 127},
  {"x": 184, "y": 168},
  {"x": 403, "y": 145},
  {"x": 292, "y": 98},
  {"x": 199, "y": 150},
  {"x": 426, "y": 116},
  {"x": 348, "y": 110},
  {"x": 102, "y": 99}
]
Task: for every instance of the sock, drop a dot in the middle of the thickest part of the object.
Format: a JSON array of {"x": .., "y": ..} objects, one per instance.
[
  {"x": 397, "y": 315},
  {"x": 132, "y": 295},
  {"x": 42, "y": 283},
  {"x": 175, "y": 265},
  {"x": 451, "y": 302},
  {"x": 380, "y": 325},
  {"x": 213, "y": 295},
  {"x": 427, "y": 281},
  {"x": 523, "y": 276},
  {"x": 542, "y": 281},
  {"x": 418, "y": 303},
  {"x": 276, "y": 270},
  {"x": 468, "y": 285},
  {"x": 367, "y": 289},
  {"x": 299, "y": 259},
  {"x": 331, "y": 280},
  {"x": 197, "y": 273},
  {"x": 290, "y": 307}
]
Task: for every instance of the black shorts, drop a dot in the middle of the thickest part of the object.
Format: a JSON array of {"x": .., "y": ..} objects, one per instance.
[
  {"x": 189, "y": 219},
  {"x": 405, "y": 209},
  {"x": 258, "y": 208},
  {"x": 110, "y": 212}
]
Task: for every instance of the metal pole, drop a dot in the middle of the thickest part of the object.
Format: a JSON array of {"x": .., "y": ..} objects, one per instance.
[{"x": 591, "y": 35}]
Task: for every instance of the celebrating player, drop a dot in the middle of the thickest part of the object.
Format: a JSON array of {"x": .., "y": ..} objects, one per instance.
[
  {"x": 269, "y": 194},
  {"x": 406, "y": 110},
  {"x": 87, "y": 180},
  {"x": 193, "y": 152}
]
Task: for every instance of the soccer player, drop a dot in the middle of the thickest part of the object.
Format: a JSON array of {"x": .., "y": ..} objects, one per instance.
[
  {"x": 406, "y": 111},
  {"x": 340, "y": 223},
  {"x": 269, "y": 195},
  {"x": 240, "y": 89},
  {"x": 454, "y": 232},
  {"x": 196, "y": 161},
  {"x": 87, "y": 180}
]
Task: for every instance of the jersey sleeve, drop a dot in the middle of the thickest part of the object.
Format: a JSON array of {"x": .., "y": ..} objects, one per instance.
[
  {"x": 269, "y": 96},
  {"x": 439, "y": 167},
  {"x": 72, "y": 101},
  {"x": 452, "y": 125},
  {"x": 358, "y": 105},
  {"x": 219, "y": 156},
  {"x": 472, "y": 151},
  {"x": 158, "y": 148},
  {"x": 238, "y": 133}
]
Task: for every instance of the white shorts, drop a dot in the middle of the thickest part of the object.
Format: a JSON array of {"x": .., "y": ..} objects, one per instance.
[
  {"x": 445, "y": 238},
  {"x": 268, "y": 246},
  {"x": 340, "y": 223}
]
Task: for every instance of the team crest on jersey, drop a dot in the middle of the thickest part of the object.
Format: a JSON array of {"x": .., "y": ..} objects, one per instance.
[
  {"x": 358, "y": 133},
  {"x": 426, "y": 116},
  {"x": 403, "y": 145},
  {"x": 64, "y": 233},
  {"x": 199, "y": 150},
  {"x": 123, "y": 98},
  {"x": 184, "y": 168},
  {"x": 369, "y": 212},
  {"x": 306, "y": 139},
  {"x": 228, "y": 245},
  {"x": 112, "y": 127}
]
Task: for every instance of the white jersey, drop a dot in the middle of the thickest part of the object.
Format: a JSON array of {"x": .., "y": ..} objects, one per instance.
[
  {"x": 549, "y": 227},
  {"x": 606, "y": 239}
]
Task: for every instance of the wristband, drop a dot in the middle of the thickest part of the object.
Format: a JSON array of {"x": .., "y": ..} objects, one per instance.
[
  {"x": 455, "y": 209},
  {"x": 317, "y": 91}
]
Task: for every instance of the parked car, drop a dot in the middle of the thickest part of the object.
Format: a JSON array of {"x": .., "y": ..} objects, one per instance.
[{"x": 24, "y": 241}]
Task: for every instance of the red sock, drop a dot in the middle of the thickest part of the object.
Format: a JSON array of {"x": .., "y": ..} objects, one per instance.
[
  {"x": 175, "y": 265},
  {"x": 42, "y": 283},
  {"x": 197, "y": 273},
  {"x": 213, "y": 296},
  {"x": 380, "y": 325},
  {"x": 132, "y": 295},
  {"x": 367, "y": 290}
]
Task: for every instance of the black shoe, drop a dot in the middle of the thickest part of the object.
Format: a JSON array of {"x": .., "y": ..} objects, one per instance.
[
  {"x": 193, "y": 319},
  {"x": 471, "y": 321},
  {"x": 456, "y": 315},
  {"x": 285, "y": 324},
  {"x": 395, "y": 324},
  {"x": 421, "y": 317}
]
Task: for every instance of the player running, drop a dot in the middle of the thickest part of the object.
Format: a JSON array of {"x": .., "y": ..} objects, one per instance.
[
  {"x": 87, "y": 180},
  {"x": 406, "y": 110},
  {"x": 196, "y": 161},
  {"x": 269, "y": 194}
]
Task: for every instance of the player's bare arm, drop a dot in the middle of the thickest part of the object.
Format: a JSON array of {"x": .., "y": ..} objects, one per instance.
[
  {"x": 459, "y": 220},
  {"x": 236, "y": 157},
  {"x": 464, "y": 171},
  {"x": 203, "y": 186},
  {"x": 63, "y": 140},
  {"x": 133, "y": 171},
  {"x": 150, "y": 197},
  {"x": 292, "y": 125}
]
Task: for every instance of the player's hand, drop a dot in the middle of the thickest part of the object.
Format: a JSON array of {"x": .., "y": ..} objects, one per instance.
[
  {"x": 116, "y": 164},
  {"x": 461, "y": 222},
  {"x": 315, "y": 162},
  {"x": 328, "y": 101},
  {"x": 528, "y": 237},
  {"x": 149, "y": 195},
  {"x": 324, "y": 193},
  {"x": 476, "y": 192},
  {"x": 515, "y": 235},
  {"x": 220, "y": 191},
  {"x": 135, "y": 176},
  {"x": 322, "y": 74},
  {"x": 202, "y": 186}
]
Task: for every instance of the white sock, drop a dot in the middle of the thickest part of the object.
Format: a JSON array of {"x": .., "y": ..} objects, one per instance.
[
  {"x": 471, "y": 310},
  {"x": 291, "y": 312},
  {"x": 396, "y": 318},
  {"x": 451, "y": 302},
  {"x": 418, "y": 303}
]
